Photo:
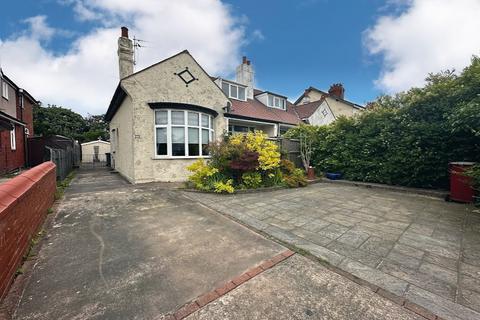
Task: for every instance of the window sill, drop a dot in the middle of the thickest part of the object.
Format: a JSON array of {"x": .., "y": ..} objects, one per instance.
[{"x": 179, "y": 157}]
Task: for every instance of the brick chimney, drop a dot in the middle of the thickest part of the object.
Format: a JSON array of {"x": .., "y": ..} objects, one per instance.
[
  {"x": 125, "y": 54},
  {"x": 245, "y": 76},
  {"x": 337, "y": 91}
]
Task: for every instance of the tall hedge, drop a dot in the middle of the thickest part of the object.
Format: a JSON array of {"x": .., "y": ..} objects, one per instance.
[{"x": 407, "y": 139}]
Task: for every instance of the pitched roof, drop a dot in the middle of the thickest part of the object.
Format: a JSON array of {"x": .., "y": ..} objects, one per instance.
[
  {"x": 255, "y": 110},
  {"x": 306, "y": 110},
  {"x": 352, "y": 104},
  {"x": 14, "y": 85},
  {"x": 120, "y": 94}
]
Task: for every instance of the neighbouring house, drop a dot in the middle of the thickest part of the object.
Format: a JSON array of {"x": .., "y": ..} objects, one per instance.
[
  {"x": 254, "y": 109},
  {"x": 163, "y": 117},
  {"x": 16, "y": 124},
  {"x": 317, "y": 107},
  {"x": 95, "y": 151}
]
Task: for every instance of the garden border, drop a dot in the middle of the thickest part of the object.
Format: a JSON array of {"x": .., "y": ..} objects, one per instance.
[{"x": 242, "y": 191}]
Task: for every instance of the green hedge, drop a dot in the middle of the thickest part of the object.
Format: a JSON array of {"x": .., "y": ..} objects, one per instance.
[{"x": 407, "y": 139}]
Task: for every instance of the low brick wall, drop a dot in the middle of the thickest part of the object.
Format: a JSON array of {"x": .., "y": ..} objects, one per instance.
[{"x": 24, "y": 202}]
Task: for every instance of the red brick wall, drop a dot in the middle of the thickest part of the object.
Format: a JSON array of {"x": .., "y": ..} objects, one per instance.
[
  {"x": 11, "y": 159},
  {"x": 25, "y": 114},
  {"x": 24, "y": 201}
]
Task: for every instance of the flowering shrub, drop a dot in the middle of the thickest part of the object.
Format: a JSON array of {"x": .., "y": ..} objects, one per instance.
[{"x": 244, "y": 162}]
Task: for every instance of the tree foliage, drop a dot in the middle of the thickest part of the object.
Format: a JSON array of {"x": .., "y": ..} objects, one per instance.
[
  {"x": 409, "y": 138},
  {"x": 54, "y": 120}
]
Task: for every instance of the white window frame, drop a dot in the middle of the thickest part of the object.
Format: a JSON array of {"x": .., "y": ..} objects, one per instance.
[
  {"x": 230, "y": 85},
  {"x": 281, "y": 102},
  {"x": 4, "y": 89},
  {"x": 13, "y": 139},
  {"x": 185, "y": 125}
]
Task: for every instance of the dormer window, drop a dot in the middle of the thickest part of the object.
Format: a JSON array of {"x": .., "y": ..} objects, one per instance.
[
  {"x": 276, "y": 102},
  {"x": 233, "y": 91}
]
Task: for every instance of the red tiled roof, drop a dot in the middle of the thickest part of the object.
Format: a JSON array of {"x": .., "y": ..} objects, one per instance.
[
  {"x": 254, "y": 109},
  {"x": 307, "y": 109}
]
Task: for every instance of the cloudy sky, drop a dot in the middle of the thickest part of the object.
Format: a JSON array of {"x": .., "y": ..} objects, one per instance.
[{"x": 64, "y": 51}]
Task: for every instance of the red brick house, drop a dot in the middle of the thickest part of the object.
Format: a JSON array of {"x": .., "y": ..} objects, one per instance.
[{"x": 16, "y": 124}]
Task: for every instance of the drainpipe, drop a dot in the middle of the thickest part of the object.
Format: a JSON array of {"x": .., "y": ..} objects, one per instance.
[{"x": 25, "y": 140}]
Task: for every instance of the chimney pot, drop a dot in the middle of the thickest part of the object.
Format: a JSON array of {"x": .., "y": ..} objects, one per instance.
[
  {"x": 248, "y": 62},
  {"x": 337, "y": 91},
  {"x": 244, "y": 60},
  {"x": 124, "y": 32}
]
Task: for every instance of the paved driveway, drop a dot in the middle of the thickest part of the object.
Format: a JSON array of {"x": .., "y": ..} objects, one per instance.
[
  {"x": 118, "y": 251},
  {"x": 418, "y": 247}
]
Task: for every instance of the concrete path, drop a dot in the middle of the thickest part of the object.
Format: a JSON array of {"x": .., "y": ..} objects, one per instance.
[
  {"x": 301, "y": 289},
  {"x": 417, "y": 247},
  {"x": 119, "y": 251},
  {"x": 122, "y": 252}
]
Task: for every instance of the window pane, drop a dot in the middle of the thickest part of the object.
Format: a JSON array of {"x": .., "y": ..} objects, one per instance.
[
  {"x": 277, "y": 102},
  {"x": 205, "y": 140},
  {"x": 193, "y": 142},
  {"x": 161, "y": 117},
  {"x": 225, "y": 87},
  {"x": 161, "y": 141},
  {"x": 241, "y": 93},
  {"x": 193, "y": 119},
  {"x": 233, "y": 91},
  {"x": 205, "y": 121},
  {"x": 282, "y": 103},
  {"x": 270, "y": 100},
  {"x": 178, "y": 141},
  {"x": 178, "y": 117}
]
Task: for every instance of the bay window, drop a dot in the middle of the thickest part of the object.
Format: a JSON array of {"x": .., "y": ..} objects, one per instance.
[{"x": 182, "y": 133}]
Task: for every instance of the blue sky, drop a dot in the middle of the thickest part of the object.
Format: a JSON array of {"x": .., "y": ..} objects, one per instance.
[{"x": 371, "y": 46}]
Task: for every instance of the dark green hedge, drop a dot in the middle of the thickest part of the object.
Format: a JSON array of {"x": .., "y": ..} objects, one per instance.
[{"x": 407, "y": 139}]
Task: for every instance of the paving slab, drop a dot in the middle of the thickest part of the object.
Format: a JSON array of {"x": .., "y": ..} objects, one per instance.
[
  {"x": 393, "y": 239},
  {"x": 301, "y": 289},
  {"x": 130, "y": 252}
]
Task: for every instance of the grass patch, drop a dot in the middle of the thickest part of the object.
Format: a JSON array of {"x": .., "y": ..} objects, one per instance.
[{"x": 62, "y": 185}]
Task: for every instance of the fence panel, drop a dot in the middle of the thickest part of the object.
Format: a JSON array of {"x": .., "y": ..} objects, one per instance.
[{"x": 290, "y": 149}]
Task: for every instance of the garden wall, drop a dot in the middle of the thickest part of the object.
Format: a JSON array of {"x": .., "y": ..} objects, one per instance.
[{"x": 24, "y": 202}]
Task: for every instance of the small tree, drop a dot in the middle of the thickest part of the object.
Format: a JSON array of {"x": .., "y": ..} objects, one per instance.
[
  {"x": 305, "y": 149},
  {"x": 306, "y": 134}
]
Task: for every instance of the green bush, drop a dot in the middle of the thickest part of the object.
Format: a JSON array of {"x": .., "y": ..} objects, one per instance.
[
  {"x": 296, "y": 179},
  {"x": 407, "y": 139},
  {"x": 252, "y": 180},
  {"x": 474, "y": 173},
  {"x": 248, "y": 161}
]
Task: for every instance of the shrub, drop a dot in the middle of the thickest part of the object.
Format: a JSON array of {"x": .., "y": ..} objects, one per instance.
[
  {"x": 247, "y": 161},
  {"x": 287, "y": 166},
  {"x": 242, "y": 161},
  {"x": 474, "y": 173},
  {"x": 296, "y": 179},
  {"x": 407, "y": 139},
  {"x": 268, "y": 153},
  {"x": 202, "y": 175},
  {"x": 252, "y": 180},
  {"x": 224, "y": 187}
]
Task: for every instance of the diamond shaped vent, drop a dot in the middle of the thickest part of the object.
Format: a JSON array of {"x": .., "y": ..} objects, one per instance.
[{"x": 186, "y": 76}]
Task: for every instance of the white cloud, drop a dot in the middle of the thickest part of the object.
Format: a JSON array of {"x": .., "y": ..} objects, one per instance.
[
  {"x": 258, "y": 35},
  {"x": 427, "y": 36},
  {"x": 85, "y": 77},
  {"x": 39, "y": 28}
]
